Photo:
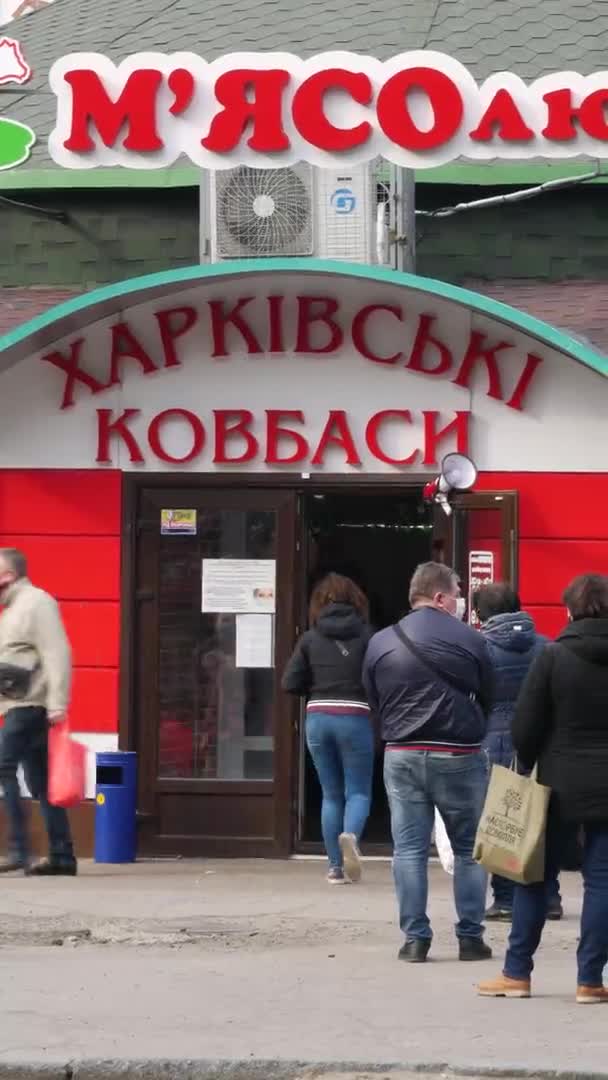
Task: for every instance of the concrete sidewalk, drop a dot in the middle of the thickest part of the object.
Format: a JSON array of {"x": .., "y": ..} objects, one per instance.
[{"x": 263, "y": 961}]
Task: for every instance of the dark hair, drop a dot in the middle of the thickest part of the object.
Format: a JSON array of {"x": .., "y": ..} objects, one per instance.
[
  {"x": 336, "y": 589},
  {"x": 15, "y": 560},
  {"x": 430, "y": 578},
  {"x": 587, "y": 597},
  {"x": 495, "y": 599}
]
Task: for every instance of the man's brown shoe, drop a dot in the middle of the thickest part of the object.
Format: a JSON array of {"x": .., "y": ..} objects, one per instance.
[
  {"x": 591, "y": 995},
  {"x": 503, "y": 986}
]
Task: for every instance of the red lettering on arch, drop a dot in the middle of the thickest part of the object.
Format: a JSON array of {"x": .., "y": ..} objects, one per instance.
[
  {"x": 220, "y": 319},
  {"x": 359, "y": 332},
  {"x": 308, "y": 315},
  {"x": 126, "y": 346},
  {"x": 231, "y": 424},
  {"x": 277, "y": 434},
  {"x": 70, "y": 365},
  {"x": 372, "y": 432},
  {"x": 196, "y": 427},
  {"x": 516, "y": 401},
  {"x": 434, "y": 435},
  {"x": 172, "y": 324},
  {"x": 107, "y": 429},
  {"x": 337, "y": 433},
  {"x": 478, "y": 351},
  {"x": 423, "y": 339}
]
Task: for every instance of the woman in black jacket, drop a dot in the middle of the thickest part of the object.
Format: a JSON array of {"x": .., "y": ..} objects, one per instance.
[
  {"x": 561, "y": 725},
  {"x": 326, "y": 668}
]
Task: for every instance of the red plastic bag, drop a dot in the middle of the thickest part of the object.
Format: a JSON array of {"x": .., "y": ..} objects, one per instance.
[{"x": 67, "y": 767}]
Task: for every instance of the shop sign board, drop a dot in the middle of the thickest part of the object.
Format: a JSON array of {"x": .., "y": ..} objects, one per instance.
[
  {"x": 385, "y": 336},
  {"x": 419, "y": 109}
]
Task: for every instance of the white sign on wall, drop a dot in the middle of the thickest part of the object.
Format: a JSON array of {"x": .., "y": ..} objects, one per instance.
[{"x": 304, "y": 373}]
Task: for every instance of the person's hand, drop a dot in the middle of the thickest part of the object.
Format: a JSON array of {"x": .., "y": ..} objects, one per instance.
[{"x": 56, "y": 718}]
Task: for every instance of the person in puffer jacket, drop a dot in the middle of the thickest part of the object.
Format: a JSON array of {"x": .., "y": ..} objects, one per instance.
[{"x": 513, "y": 644}]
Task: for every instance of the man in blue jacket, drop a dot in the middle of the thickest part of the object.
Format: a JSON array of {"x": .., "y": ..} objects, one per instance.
[
  {"x": 513, "y": 644},
  {"x": 429, "y": 680}
]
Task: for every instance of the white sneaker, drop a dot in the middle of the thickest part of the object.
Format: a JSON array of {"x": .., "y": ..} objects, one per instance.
[{"x": 351, "y": 856}]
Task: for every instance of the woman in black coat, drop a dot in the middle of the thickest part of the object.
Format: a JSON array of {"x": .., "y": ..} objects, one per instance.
[
  {"x": 561, "y": 725},
  {"x": 326, "y": 668}
]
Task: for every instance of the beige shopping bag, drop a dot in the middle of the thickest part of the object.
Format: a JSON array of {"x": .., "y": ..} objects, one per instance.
[{"x": 510, "y": 837}]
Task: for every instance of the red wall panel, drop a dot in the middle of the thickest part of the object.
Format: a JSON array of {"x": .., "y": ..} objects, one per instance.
[
  {"x": 69, "y": 525},
  {"x": 72, "y": 567},
  {"x": 546, "y": 566},
  {"x": 94, "y": 630},
  {"x": 80, "y": 503},
  {"x": 94, "y": 705},
  {"x": 556, "y": 505},
  {"x": 549, "y": 620}
]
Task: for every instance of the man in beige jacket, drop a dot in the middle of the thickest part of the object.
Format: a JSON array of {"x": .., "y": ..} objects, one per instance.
[{"x": 32, "y": 637}]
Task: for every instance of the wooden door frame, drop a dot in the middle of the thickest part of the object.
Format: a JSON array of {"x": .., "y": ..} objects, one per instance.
[
  {"x": 506, "y": 500},
  {"x": 286, "y": 763}
]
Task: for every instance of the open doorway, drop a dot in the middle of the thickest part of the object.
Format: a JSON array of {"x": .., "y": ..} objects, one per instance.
[{"x": 377, "y": 540}]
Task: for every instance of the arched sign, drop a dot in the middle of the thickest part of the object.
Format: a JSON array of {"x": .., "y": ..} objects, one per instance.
[{"x": 296, "y": 365}]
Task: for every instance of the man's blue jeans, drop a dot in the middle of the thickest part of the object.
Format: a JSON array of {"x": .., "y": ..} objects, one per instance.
[
  {"x": 416, "y": 782},
  {"x": 530, "y": 907},
  {"x": 24, "y": 741},
  {"x": 342, "y": 750}
]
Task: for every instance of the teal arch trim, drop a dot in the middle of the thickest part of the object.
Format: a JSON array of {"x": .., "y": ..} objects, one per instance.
[{"x": 75, "y": 314}]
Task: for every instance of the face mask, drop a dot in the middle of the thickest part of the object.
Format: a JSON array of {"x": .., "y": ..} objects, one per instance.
[{"x": 461, "y": 607}]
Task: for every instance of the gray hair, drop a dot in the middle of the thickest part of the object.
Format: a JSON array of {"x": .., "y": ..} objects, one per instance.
[
  {"x": 15, "y": 560},
  {"x": 430, "y": 578}
]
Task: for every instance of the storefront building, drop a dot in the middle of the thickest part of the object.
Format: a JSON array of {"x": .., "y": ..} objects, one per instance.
[
  {"x": 189, "y": 441},
  {"x": 184, "y": 453}
]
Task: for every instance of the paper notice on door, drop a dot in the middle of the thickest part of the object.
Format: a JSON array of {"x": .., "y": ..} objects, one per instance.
[
  {"x": 254, "y": 634},
  {"x": 481, "y": 572},
  {"x": 239, "y": 585}
]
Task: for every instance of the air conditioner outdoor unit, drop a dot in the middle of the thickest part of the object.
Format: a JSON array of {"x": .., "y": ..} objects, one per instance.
[{"x": 295, "y": 211}]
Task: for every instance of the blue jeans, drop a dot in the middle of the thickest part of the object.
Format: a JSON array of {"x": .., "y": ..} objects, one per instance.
[
  {"x": 499, "y": 748},
  {"x": 530, "y": 907},
  {"x": 24, "y": 741},
  {"x": 417, "y": 782},
  {"x": 342, "y": 750}
]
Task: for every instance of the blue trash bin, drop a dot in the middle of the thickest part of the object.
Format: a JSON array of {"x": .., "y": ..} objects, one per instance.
[{"x": 116, "y": 807}]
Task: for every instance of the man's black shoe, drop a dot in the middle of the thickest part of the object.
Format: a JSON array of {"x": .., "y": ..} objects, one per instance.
[
  {"x": 13, "y": 866},
  {"x": 415, "y": 952},
  {"x": 474, "y": 948},
  {"x": 496, "y": 913},
  {"x": 555, "y": 911},
  {"x": 50, "y": 868}
]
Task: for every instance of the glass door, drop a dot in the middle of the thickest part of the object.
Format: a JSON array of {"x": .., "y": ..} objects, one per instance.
[
  {"x": 215, "y": 617},
  {"x": 484, "y": 540}
]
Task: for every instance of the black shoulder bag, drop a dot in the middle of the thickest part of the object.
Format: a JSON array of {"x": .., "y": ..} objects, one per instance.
[{"x": 450, "y": 680}]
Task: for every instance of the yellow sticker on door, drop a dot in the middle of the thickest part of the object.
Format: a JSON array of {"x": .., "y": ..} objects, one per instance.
[{"x": 101, "y": 799}]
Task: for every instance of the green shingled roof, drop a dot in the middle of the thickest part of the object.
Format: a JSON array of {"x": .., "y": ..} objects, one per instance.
[{"x": 530, "y": 39}]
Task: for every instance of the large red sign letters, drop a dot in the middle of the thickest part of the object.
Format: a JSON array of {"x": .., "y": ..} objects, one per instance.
[
  {"x": 301, "y": 327},
  {"x": 418, "y": 109}
]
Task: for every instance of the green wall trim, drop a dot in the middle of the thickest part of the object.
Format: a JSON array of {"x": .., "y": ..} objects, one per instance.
[
  {"x": 72, "y": 313},
  {"x": 495, "y": 174}
]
